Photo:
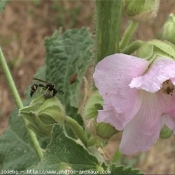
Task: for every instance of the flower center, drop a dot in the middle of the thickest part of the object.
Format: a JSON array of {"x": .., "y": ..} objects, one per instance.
[{"x": 167, "y": 87}]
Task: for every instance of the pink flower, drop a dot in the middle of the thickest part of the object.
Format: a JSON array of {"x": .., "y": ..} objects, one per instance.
[{"x": 139, "y": 98}]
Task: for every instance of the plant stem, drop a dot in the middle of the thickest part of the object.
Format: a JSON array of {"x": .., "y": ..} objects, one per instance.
[
  {"x": 78, "y": 130},
  {"x": 35, "y": 142},
  {"x": 132, "y": 47},
  {"x": 107, "y": 27},
  {"x": 10, "y": 80},
  {"x": 128, "y": 34},
  {"x": 18, "y": 102}
]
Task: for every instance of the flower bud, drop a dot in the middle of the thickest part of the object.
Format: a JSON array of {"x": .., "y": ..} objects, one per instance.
[
  {"x": 42, "y": 114},
  {"x": 165, "y": 133},
  {"x": 141, "y": 10},
  {"x": 156, "y": 48},
  {"x": 169, "y": 29},
  {"x": 105, "y": 130},
  {"x": 101, "y": 130}
]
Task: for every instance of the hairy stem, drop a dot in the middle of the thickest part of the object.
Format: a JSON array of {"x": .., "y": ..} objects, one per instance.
[
  {"x": 108, "y": 20},
  {"x": 18, "y": 102}
]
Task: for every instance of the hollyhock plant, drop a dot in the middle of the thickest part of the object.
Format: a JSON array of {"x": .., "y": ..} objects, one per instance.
[{"x": 138, "y": 98}]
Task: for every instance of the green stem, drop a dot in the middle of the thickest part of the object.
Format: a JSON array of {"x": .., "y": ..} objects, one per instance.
[
  {"x": 107, "y": 27},
  {"x": 10, "y": 80},
  {"x": 132, "y": 47},
  {"x": 128, "y": 34},
  {"x": 78, "y": 130},
  {"x": 35, "y": 142},
  {"x": 18, "y": 102}
]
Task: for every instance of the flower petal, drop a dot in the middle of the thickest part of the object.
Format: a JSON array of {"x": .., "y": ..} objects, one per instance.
[
  {"x": 161, "y": 70},
  {"x": 115, "y": 71},
  {"x": 119, "y": 110},
  {"x": 112, "y": 77},
  {"x": 144, "y": 128},
  {"x": 173, "y": 80},
  {"x": 168, "y": 121},
  {"x": 167, "y": 103},
  {"x": 108, "y": 116}
]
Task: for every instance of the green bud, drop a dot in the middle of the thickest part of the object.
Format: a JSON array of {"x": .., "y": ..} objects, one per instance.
[
  {"x": 169, "y": 29},
  {"x": 105, "y": 130},
  {"x": 102, "y": 130},
  {"x": 156, "y": 48},
  {"x": 42, "y": 114},
  {"x": 165, "y": 133},
  {"x": 141, "y": 10}
]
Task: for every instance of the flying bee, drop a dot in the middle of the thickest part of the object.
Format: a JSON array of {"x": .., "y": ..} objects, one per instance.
[{"x": 50, "y": 87}]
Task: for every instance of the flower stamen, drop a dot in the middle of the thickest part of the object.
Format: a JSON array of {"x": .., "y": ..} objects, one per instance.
[{"x": 168, "y": 87}]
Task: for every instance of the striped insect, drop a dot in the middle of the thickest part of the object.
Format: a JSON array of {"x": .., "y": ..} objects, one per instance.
[{"x": 48, "y": 86}]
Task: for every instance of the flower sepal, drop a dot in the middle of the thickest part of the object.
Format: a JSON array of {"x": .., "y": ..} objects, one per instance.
[
  {"x": 42, "y": 114},
  {"x": 141, "y": 11},
  {"x": 156, "y": 48}
]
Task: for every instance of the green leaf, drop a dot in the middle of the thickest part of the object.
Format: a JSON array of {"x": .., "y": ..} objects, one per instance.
[
  {"x": 65, "y": 153},
  {"x": 124, "y": 170},
  {"x": 68, "y": 57},
  {"x": 15, "y": 150},
  {"x": 2, "y": 4}
]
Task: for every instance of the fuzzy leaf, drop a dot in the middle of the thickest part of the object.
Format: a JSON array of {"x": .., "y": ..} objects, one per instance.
[
  {"x": 64, "y": 153},
  {"x": 125, "y": 170},
  {"x": 68, "y": 57},
  {"x": 15, "y": 150}
]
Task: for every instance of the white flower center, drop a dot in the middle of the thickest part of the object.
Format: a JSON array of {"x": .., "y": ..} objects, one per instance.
[{"x": 168, "y": 87}]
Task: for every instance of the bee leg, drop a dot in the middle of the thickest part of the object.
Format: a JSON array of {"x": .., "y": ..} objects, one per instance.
[{"x": 31, "y": 92}]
